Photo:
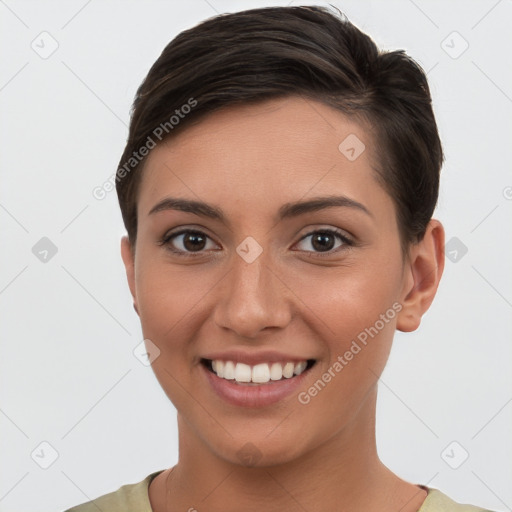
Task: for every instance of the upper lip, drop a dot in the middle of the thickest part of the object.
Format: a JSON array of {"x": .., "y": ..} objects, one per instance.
[{"x": 254, "y": 357}]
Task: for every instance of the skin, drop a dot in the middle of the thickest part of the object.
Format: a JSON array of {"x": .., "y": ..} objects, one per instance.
[{"x": 249, "y": 161}]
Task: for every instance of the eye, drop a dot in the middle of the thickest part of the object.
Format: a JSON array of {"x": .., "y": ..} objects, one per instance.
[
  {"x": 189, "y": 242},
  {"x": 323, "y": 240}
]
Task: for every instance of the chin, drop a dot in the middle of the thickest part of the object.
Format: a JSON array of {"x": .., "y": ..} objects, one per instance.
[{"x": 259, "y": 451}]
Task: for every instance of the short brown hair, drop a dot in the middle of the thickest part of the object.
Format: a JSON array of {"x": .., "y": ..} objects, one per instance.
[{"x": 312, "y": 51}]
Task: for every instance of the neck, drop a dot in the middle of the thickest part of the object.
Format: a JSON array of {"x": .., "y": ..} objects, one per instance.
[{"x": 344, "y": 469}]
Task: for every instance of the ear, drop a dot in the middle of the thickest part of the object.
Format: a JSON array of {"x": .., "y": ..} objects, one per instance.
[
  {"x": 127, "y": 254},
  {"x": 422, "y": 273}
]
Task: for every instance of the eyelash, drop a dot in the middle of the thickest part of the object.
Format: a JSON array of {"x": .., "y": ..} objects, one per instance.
[{"x": 168, "y": 237}]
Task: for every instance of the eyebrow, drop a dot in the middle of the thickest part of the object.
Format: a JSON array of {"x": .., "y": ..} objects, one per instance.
[{"x": 287, "y": 210}]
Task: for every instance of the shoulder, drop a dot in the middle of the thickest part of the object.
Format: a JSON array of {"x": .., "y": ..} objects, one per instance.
[
  {"x": 436, "y": 501},
  {"x": 128, "y": 498}
]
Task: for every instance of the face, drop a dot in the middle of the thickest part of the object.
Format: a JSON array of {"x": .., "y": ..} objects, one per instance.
[{"x": 249, "y": 278}]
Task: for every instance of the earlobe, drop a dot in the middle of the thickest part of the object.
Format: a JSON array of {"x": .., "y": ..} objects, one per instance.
[
  {"x": 129, "y": 264},
  {"x": 423, "y": 273}
]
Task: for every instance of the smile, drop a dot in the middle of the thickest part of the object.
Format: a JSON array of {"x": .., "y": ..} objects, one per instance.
[
  {"x": 261, "y": 373},
  {"x": 256, "y": 378}
]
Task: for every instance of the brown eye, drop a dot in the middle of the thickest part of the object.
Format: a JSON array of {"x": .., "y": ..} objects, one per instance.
[
  {"x": 324, "y": 240},
  {"x": 186, "y": 242},
  {"x": 194, "y": 241}
]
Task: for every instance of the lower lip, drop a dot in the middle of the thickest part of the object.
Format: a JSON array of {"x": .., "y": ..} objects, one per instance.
[{"x": 250, "y": 395}]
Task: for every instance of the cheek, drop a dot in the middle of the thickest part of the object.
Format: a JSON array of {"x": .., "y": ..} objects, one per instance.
[
  {"x": 166, "y": 297},
  {"x": 356, "y": 311},
  {"x": 348, "y": 300},
  {"x": 173, "y": 303},
  {"x": 166, "y": 307},
  {"x": 361, "y": 325}
]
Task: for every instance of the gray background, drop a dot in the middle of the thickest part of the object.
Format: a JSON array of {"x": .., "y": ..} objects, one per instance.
[{"x": 68, "y": 374}]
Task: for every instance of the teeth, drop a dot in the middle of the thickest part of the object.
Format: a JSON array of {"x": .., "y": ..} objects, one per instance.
[
  {"x": 288, "y": 370},
  {"x": 218, "y": 368},
  {"x": 276, "y": 371},
  {"x": 300, "y": 367},
  {"x": 242, "y": 372},
  {"x": 228, "y": 370},
  {"x": 260, "y": 373}
]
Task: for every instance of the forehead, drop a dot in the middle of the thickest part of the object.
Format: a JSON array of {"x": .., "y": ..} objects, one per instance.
[{"x": 271, "y": 151}]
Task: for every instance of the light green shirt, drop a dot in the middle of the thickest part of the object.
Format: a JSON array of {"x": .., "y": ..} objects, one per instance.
[{"x": 135, "y": 498}]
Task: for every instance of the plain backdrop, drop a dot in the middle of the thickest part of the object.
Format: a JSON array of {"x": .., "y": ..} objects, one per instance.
[{"x": 79, "y": 414}]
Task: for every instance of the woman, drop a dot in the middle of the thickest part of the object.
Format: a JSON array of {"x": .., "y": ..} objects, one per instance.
[{"x": 277, "y": 188}]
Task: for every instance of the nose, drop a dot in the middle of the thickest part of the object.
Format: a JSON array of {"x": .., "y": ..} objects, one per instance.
[{"x": 253, "y": 297}]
